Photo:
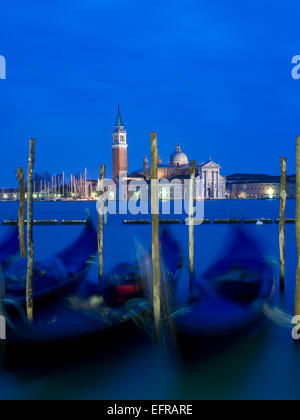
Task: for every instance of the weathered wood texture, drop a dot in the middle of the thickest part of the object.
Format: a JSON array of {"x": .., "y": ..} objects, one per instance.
[
  {"x": 100, "y": 222},
  {"x": 21, "y": 221},
  {"x": 283, "y": 195},
  {"x": 191, "y": 220},
  {"x": 29, "y": 295},
  {"x": 297, "y": 300},
  {"x": 155, "y": 233}
]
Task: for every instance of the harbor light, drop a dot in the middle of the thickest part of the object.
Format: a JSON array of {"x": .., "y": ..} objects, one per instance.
[{"x": 270, "y": 192}]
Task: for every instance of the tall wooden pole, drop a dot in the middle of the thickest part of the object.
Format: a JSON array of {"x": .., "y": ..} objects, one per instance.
[
  {"x": 29, "y": 296},
  {"x": 191, "y": 219},
  {"x": 106, "y": 211},
  {"x": 85, "y": 184},
  {"x": 297, "y": 303},
  {"x": 100, "y": 224},
  {"x": 21, "y": 221},
  {"x": 155, "y": 233},
  {"x": 283, "y": 195}
]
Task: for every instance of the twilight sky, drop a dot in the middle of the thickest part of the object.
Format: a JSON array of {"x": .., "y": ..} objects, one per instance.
[{"x": 213, "y": 75}]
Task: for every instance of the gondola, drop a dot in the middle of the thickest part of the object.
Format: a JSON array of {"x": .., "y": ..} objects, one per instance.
[
  {"x": 108, "y": 311},
  {"x": 129, "y": 280},
  {"x": 55, "y": 273},
  {"x": 231, "y": 295},
  {"x": 9, "y": 247},
  {"x": 71, "y": 329}
]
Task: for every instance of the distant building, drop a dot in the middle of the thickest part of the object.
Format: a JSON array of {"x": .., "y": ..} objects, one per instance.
[
  {"x": 213, "y": 184},
  {"x": 178, "y": 167},
  {"x": 256, "y": 186}
]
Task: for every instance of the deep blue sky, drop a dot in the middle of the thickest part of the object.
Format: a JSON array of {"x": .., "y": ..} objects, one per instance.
[{"x": 212, "y": 75}]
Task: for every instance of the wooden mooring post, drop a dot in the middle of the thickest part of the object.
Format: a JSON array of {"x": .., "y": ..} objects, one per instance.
[
  {"x": 191, "y": 220},
  {"x": 100, "y": 223},
  {"x": 283, "y": 195},
  {"x": 155, "y": 234},
  {"x": 297, "y": 301},
  {"x": 29, "y": 296},
  {"x": 21, "y": 221}
]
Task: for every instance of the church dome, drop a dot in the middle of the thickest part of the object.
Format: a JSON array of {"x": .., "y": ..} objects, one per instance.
[{"x": 178, "y": 158}]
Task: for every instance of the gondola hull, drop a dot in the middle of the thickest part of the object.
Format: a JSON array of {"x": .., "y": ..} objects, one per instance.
[
  {"x": 217, "y": 317},
  {"x": 9, "y": 247},
  {"x": 67, "y": 332},
  {"x": 231, "y": 295},
  {"x": 55, "y": 275}
]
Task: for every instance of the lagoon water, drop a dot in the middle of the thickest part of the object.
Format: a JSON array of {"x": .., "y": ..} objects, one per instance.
[{"x": 265, "y": 363}]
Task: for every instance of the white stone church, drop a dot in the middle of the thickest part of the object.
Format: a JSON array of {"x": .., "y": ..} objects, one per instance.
[{"x": 213, "y": 185}]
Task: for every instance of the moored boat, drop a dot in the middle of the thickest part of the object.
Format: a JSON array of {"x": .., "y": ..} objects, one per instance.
[
  {"x": 9, "y": 247},
  {"x": 54, "y": 274},
  {"x": 110, "y": 310},
  {"x": 230, "y": 295}
]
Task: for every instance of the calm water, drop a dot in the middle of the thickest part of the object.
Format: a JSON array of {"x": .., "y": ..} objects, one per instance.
[{"x": 262, "y": 364}]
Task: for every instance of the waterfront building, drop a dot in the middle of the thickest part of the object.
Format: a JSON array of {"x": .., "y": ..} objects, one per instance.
[{"x": 255, "y": 186}]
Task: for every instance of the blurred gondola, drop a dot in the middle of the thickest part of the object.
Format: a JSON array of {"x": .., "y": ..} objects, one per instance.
[
  {"x": 9, "y": 247},
  {"x": 56, "y": 273},
  {"x": 230, "y": 296},
  {"x": 98, "y": 313}
]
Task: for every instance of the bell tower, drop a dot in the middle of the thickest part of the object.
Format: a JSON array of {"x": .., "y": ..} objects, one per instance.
[{"x": 119, "y": 149}]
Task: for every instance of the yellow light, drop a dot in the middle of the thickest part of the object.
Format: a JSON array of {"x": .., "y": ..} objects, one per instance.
[
  {"x": 164, "y": 192},
  {"x": 270, "y": 192}
]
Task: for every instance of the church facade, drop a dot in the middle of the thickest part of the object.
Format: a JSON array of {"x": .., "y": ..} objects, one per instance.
[{"x": 213, "y": 184}]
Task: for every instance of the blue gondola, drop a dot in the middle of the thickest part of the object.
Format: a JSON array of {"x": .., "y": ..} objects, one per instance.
[
  {"x": 231, "y": 294},
  {"x": 9, "y": 247},
  {"x": 89, "y": 313},
  {"x": 55, "y": 273},
  {"x": 129, "y": 280}
]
